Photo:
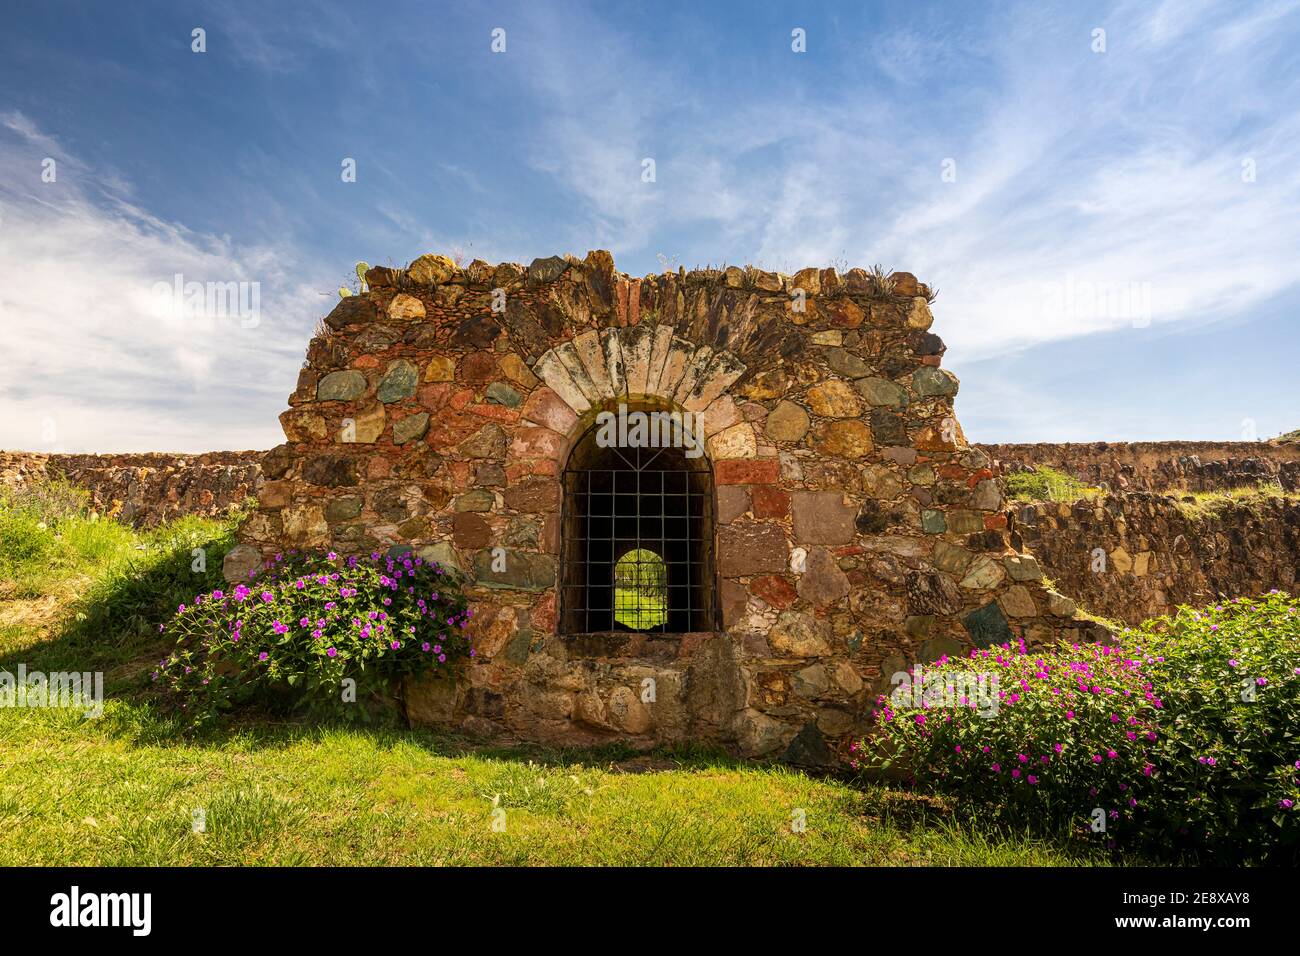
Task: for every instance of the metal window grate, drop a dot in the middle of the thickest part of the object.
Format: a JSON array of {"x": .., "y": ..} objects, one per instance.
[{"x": 637, "y": 551}]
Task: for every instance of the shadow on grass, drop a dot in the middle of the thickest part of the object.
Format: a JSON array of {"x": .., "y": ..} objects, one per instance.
[{"x": 113, "y": 626}]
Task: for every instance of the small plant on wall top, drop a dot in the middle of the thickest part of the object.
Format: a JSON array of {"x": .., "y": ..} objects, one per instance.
[
  {"x": 316, "y": 632},
  {"x": 360, "y": 285}
]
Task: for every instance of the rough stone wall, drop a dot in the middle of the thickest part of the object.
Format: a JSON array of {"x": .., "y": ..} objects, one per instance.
[
  {"x": 146, "y": 489},
  {"x": 856, "y": 529},
  {"x": 1159, "y": 466},
  {"x": 1156, "y": 556}
]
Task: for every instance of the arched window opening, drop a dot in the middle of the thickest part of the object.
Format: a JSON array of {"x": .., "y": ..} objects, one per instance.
[
  {"x": 637, "y": 539},
  {"x": 640, "y": 590}
]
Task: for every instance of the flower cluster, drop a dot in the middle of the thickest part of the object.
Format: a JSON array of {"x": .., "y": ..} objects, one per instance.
[
  {"x": 1179, "y": 736},
  {"x": 305, "y": 625}
]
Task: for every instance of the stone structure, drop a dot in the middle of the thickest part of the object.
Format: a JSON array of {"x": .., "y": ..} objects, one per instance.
[
  {"x": 1155, "y": 554},
  {"x": 146, "y": 489},
  {"x": 1159, "y": 466},
  {"x": 856, "y": 530}
]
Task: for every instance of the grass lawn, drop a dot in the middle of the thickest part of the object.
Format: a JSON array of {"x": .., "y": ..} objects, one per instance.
[{"x": 87, "y": 594}]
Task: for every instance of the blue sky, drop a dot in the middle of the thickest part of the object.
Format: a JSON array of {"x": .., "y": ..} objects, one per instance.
[{"x": 1114, "y": 233}]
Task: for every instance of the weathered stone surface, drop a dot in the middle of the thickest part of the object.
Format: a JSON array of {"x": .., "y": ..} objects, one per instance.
[
  {"x": 823, "y": 582},
  {"x": 800, "y": 635},
  {"x": 488, "y": 442},
  {"x": 546, "y": 408},
  {"x": 932, "y": 592},
  {"x": 546, "y": 270},
  {"x": 822, "y": 517},
  {"x": 405, "y": 307},
  {"x": 430, "y": 269},
  {"x": 1023, "y": 567},
  {"x": 751, "y": 547},
  {"x": 239, "y": 562},
  {"x": 410, "y": 428},
  {"x": 478, "y": 499},
  {"x": 845, "y": 438},
  {"x": 331, "y": 471},
  {"x": 499, "y": 393},
  {"x": 845, "y": 363},
  {"x": 367, "y": 424},
  {"x": 880, "y": 482},
  {"x": 951, "y": 558},
  {"x": 933, "y": 522},
  {"x": 984, "y": 572},
  {"x": 352, "y": 310},
  {"x": 833, "y": 399},
  {"x": 441, "y": 368},
  {"x": 808, "y": 749},
  {"x": 988, "y": 496},
  {"x": 341, "y": 386},
  {"x": 534, "y": 496},
  {"x": 934, "y": 382},
  {"x": 733, "y": 501},
  {"x": 788, "y": 422},
  {"x": 987, "y": 626},
  {"x": 305, "y": 526},
  {"x": 738, "y": 441},
  {"x": 399, "y": 381},
  {"x": 881, "y": 391},
  {"x": 1016, "y": 601},
  {"x": 521, "y": 571}
]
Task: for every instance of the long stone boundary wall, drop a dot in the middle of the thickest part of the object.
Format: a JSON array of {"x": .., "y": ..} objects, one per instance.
[
  {"x": 1135, "y": 556},
  {"x": 1157, "y": 555},
  {"x": 1158, "y": 466},
  {"x": 149, "y": 488}
]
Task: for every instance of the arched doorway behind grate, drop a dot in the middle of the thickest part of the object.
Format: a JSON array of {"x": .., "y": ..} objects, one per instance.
[{"x": 637, "y": 542}]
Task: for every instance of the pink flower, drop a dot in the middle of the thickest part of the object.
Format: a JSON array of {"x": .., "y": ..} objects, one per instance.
[
  {"x": 263, "y": 656},
  {"x": 332, "y": 652}
]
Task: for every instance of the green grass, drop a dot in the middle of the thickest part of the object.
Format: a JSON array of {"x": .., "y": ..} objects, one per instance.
[
  {"x": 87, "y": 593},
  {"x": 1199, "y": 505},
  {"x": 1044, "y": 483},
  {"x": 122, "y": 790}
]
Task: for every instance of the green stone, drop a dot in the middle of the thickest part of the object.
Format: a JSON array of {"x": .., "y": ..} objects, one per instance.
[
  {"x": 934, "y": 382},
  {"x": 410, "y": 428},
  {"x": 933, "y": 522},
  {"x": 499, "y": 393},
  {"x": 987, "y": 626},
  {"x": 965, "y": 522},
  {"x": 399, "y": 381},
  {"x": 341, "y": 386}
]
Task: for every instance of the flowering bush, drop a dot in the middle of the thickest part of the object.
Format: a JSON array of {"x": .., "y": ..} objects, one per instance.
[
  {"x": 1184, "y": 735},
  {"x": 308, "y": 622}
]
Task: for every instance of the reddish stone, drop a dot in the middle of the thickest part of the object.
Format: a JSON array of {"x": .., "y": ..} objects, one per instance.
[
  {"x": 461, "y": 398},
  {"x": 775, "y": 590},
  {"x": 545, "y": 616},
  {"x": 536, "y": 443},
  {"x": 378, "y": 467},
  {"x": 460, "y": 472},
  {"x": 998, "y": 520},
  {"x": 534, "y": 496},
  {"x": 449, "y": 430},
  {"x": 497, "y": 413},
  {"x": 366, "y": 361},
  {"x": 434, "y": 397},
  {"x": 951, "y": 472},
  {"x": 978, "y": 476},
  {"x": 751, "y": 547},
  {"x": 770, "y": 501},
  {"x": 848, "y": 550},
  {"x": 469, "y": 530},
  {"x": 518, "y": 470},
  {"x": 747, "y": 471},
  {"x": 931, "y": 360},
  {"x": 478, "y": 367},
  {"x": 547, "y": 408}
]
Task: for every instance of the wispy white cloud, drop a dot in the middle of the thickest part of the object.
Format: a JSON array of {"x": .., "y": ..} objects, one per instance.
[{"x": 98, "y": 357}]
